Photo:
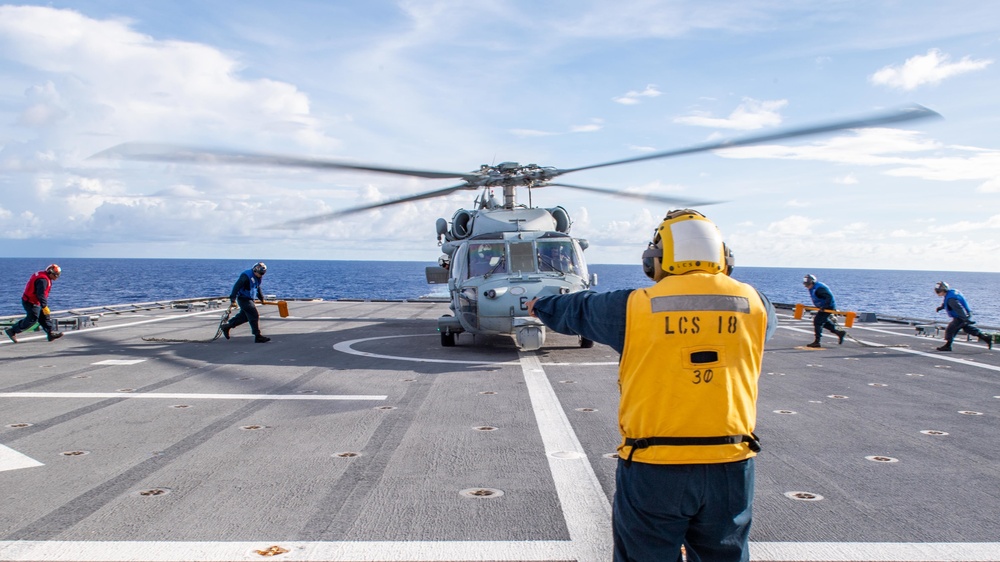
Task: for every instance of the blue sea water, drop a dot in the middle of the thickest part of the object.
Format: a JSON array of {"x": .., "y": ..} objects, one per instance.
[{"x": 97, "y": 281}]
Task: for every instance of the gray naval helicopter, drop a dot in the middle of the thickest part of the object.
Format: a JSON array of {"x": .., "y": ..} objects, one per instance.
[{"x": 500, "y": 254}]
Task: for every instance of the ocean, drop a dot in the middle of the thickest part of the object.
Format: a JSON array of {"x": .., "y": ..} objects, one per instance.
[{"x": 90, "y": 282}]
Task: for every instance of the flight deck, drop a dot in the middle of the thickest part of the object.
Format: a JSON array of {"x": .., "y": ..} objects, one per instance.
[{"x": 355, "y": 436}]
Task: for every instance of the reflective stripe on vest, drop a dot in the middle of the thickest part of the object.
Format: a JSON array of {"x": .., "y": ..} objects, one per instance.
[{"x": 688, "y": 373}]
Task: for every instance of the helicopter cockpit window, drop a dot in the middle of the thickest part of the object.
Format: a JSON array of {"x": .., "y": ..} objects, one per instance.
[
  {"x": 486, "y": 259},
  {"x": 522, "y": 257},
  {"x": 559, "y": 256}
]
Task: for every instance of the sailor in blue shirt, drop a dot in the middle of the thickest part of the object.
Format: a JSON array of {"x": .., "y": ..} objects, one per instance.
[
  {"x": 822, "y": 299},
  {"x": 960, "y": 314},
  {"x": 246, "y": 289}
]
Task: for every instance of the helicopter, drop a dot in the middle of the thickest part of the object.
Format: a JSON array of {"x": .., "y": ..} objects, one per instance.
[{"x": 500, "y": 254}]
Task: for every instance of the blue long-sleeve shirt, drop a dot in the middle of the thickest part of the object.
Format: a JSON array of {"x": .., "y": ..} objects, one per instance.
[
  {"x": 601, "y": 316},
  {"x": 822, "y": 297}
]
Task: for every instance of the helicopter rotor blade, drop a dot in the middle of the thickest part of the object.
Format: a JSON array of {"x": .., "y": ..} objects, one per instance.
[
  {"x": 899, "y": 115},
  {"x": 152, "y": 152},
  {"x": 641, "y": 196},
  {"x": 326, "y": 217}
]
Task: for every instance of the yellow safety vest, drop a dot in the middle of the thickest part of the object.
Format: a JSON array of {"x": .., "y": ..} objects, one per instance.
[{"x": 689, "y": 369}]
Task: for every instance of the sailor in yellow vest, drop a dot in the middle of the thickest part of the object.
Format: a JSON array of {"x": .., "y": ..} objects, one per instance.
[{"x": 691, "y": 348}]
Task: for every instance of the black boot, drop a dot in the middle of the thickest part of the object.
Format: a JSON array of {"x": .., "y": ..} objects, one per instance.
[
  {"x": 261, "y": 339},
  {"x": 815, "y": 343},
  {"x": 225, "y": 330},
  {"x": 840, "y": 337},
  {"x": 988, "y": 339},
  {"x": 945, "y": 347}
]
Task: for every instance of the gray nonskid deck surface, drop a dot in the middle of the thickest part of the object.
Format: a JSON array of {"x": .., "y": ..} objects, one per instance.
[{"x": 354, "y": 435}]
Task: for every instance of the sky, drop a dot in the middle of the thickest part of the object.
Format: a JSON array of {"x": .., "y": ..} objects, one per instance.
[{"x": 449, "y": 85}]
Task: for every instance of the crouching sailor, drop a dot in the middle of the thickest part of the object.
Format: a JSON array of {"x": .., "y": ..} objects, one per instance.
[
  {"x": 960, "y": 314},
  {"x": 246, "y": 289},
  {"x": 691, "y": 348},
  {"x": 35, "y": 301}
]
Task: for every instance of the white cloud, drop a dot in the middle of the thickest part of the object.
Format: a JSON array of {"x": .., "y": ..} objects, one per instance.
[
  {"x": 108, "y": 79},
  {"x": 751, "y": 114},
  {"x": 990, "y": 186},
  {"x": 849, "y": 179},
  {"x": 794, "y": 226},
  {"x": 991, "y": 223},
  {"x": 932, "y": 68},
  {"x": 632, "y": 97}
]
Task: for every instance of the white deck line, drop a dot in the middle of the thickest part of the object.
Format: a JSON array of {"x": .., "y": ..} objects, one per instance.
[
  {"x": 21, "y": 338},
  {"x": 13, "y": 460},
  {"x": 183, "y": 396},
  {"x": 445, "y": 551},
  {"x": 939, "y": 356},
  {"x": 585, "y": 507}
]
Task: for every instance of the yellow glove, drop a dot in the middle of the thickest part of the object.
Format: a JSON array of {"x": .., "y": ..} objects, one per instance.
[{"x": 46, "y": 311}]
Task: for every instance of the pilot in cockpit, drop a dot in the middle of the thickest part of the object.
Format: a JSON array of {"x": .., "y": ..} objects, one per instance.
[
  {"x": 485, "y": 258},
  {"x": 555, "y": 257}
]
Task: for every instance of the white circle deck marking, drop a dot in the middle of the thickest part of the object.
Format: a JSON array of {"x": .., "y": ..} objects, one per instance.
[{"x": 346, "y": 347}]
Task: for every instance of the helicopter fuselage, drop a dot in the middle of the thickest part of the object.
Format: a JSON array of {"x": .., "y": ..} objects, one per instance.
[{"x": 503, "y": 261}]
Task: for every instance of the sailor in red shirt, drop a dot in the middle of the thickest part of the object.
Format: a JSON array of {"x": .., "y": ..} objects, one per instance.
[{"x": 35, "y": 301}]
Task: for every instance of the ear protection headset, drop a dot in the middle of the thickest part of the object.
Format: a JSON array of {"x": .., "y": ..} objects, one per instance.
[{"x": 686, "y": 241}]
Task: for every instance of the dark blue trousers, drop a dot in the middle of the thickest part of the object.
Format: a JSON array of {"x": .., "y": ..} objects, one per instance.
[
  {"x": 33, "y": 313},
  {"x": 248, "y": 313},
  {"x": 705, "y": 507},
  {"x": 823, "y": 320}
]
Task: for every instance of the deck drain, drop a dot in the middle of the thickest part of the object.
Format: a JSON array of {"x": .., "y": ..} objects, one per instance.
[
  {"x": 804, "y": 496},
  {"x": 785, "y": 412},
  {"x": 485, "y": 428},
  {"x": 153, "y": 492},
  {"x": 812, "y": 365},
  {"x": 46, "y": 366},
  {"x": 81, "y": 376},
  {"x": 180, "y": 406},
  {"x": 74, "y": 453},
  {"x": 567, "y": 382},
  {"x": 385, "y": 408},
  {"x": 914, "y": 375},
  {"x": 125, "y": 390},
  {"x": 837, "y": 396},
  {"x": 347, "y": 455},
  {"x": 308, "y": 391},
  {"x": 480, "y": 493},
  {"x": 253, "y": 427},
  {"x": 815, "y": 401},
  {"x": 933, "y": 432},
  {"x": 245, "y": 379},
  {"x": 969, "y": 413},
  {"x": 19, "y": 425},
  {"x": 610, "y": 455},
  {"x": 487, "y": 392},
  {"x": 876, "y": 384},
  {"x": 586, "y": 409},
  {"x": 880, "y": 458},
  {"x": 408, "y": 380},
  {"x": 272, "y": 551}
]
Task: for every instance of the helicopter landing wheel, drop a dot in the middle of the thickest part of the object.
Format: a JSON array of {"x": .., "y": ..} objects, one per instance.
[
  {"x": 585, "y": 343},
  {"x": 448, "y": 339}
]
